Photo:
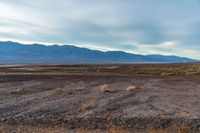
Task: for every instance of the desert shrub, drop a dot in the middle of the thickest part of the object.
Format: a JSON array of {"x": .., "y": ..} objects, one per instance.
[
  {"x": 82, "y": 88},
  {"x": 59, "y": 91},
  {"x": 20, "y": 91},
  {"x": 167, "y": 74},
  {"x": 192, "y": 73},
  {"x": 88, "y": 105},
  {"x": 132, "y": 87},
  {"x": 69, "y": 91},
  {"x": 104, "y": 88},
  {"x": 183, "y": 129}
]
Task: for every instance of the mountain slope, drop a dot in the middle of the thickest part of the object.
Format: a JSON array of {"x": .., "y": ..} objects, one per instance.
[{"x": 12, "y": 52}]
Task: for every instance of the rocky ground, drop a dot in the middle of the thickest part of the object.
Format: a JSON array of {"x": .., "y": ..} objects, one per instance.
[{"x": 101, "y": 96}]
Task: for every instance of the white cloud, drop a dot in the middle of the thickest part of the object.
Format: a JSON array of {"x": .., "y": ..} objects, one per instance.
[{"x": 144, "y": 27}]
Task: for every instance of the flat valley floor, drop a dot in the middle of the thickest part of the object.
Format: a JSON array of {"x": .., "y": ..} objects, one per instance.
[{"x": 116, "y": 98}]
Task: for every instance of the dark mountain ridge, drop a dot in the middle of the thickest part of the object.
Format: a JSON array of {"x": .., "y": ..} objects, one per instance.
[{"x": 13, "y": 52}]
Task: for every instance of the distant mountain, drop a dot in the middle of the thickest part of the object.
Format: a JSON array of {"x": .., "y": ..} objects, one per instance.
[{"x": 12, "y": 52}]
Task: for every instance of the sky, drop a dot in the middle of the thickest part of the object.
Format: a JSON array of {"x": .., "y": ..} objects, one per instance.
[{"x": 167, "y": 27}]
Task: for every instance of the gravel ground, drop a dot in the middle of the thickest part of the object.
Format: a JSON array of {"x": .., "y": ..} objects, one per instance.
[{"x": 100, "y": 101}]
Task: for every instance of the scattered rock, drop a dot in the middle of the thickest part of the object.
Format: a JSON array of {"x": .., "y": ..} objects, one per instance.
[
  {"x": 15, "y": 131},
  {"x": 3, "y": 120}
]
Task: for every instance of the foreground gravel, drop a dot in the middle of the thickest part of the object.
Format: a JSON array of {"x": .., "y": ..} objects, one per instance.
[{"x": 77, "y": 101}]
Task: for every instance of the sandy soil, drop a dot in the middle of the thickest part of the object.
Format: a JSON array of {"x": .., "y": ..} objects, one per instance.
[{"x": 96, "y": 96}]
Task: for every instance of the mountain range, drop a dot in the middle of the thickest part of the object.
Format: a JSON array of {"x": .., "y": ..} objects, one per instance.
[{"x": 13, "y": 52}]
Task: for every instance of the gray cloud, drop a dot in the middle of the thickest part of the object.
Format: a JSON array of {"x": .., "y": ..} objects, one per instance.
[{"x": 140, "y": 26}]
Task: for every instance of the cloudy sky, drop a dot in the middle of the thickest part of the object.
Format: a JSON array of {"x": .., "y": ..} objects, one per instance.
[{"x": 168, "y": 27}]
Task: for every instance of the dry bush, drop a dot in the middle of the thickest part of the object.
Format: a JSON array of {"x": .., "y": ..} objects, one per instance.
[
  {"x": 69, "y": 91},
  {"x": 20, "y": 91},
  {"x": 5, "y": 128},
  {"x": 113, "y": 129},
  {"x": 104, "y": 88},
  {"x": 88, "y": 105},
  {"x": 82, "y": 88},
  {"x": 59, "y": 91},
  {"x": 183, "y": 129},
  {"x": 98, "y": 71},
  {"x": 132, "y": 87},
  {"x": 167, "y": 74},
  {"x": 191, "y": 73}
]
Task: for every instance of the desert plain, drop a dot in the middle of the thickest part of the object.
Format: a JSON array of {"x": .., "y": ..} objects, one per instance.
[{"x": 104, "y": 98}]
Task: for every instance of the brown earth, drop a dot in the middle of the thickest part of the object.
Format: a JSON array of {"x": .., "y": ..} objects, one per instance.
[{"x": 98, "y": 97}]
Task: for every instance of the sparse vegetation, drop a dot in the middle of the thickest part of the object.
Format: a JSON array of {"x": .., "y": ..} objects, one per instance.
[
  {"x": 136, "y": 69},
  {"x": 132, "y": 87},
  {"x": 184, "y": 129},
  {"x": 167, "y": 74},
  {"x": 104, "y": 88},
  {"x": 95, "y": 96},
  {"x": 69, "y": 91},
  {"x": 20, "y": 91},
  {"x": 60, "y": 90},
  {"x": 6, "y": 128},
  {"x": 88, "y": 105},
  {"x": 81, "y": 88}
]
